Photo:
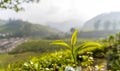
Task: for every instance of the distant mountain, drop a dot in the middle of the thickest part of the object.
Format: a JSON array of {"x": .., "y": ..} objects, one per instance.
[
  {"x": 65, "y": 26},
  {"x": 21, "y": 28},
  {"x": 106, "y": 21}
]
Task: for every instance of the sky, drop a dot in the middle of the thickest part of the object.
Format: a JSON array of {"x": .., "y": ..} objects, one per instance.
[{"x": 55, "y": 11}]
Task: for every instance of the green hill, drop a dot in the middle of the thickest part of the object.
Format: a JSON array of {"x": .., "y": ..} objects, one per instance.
[{"x": 24, "y": 29}]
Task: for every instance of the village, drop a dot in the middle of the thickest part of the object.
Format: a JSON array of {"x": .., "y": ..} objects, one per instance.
[{"x": 7, "y": 44}]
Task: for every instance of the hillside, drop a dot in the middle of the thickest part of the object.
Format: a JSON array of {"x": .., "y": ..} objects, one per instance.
[
  {"x": 24, "y": 29},
  {"x": 105, "y": 21},
  {"x": 2, "y": 22},
  {"x": 41, "y": 46}
]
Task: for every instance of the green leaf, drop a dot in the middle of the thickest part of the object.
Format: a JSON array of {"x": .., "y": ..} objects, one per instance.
[
  {"x": 87, "y": 46},
  {"x": 26, "y": 64},
  {"x": 74, "y": 37},
  {"x": 9, "y": 66},
  {"x": 36, "y": 66},
  {"x": 60, "y": 42}
]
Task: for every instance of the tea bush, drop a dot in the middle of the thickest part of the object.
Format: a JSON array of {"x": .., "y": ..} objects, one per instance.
[
  {"x": 113, "y": 52},
  {"x": 50, "y": 62}
]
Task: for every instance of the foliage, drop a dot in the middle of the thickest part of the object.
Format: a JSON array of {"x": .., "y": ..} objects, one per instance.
[
  {"x": 72, "y": 30},
  {"x": 82, "y": 48},
  {"x": 73, "y": 56},
  {"x": 96, "y": 34},
  {"x": 49, "y": 62},
  {"x": 19, "y": 28},
  {"x": 30, "y": 48},
  {"x": 97, "y": 24},
  {"x": 40, "y": 46},
  {"x": 113, "y": 52},
  {"x": 107, "y": 25},
  {"x": 6, "y": 59},
  {"x": 14, "y": 4}
]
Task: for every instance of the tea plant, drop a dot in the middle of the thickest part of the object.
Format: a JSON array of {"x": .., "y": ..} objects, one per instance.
[
  {"x": 47, "y": 62},
  {"x": 113, "y": 52},
  {"x": 50, "y": 62},
  {"x": 82, "y": 48}
]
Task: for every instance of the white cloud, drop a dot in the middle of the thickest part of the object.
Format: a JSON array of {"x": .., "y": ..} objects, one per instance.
[{"x": 62, "y": 10}]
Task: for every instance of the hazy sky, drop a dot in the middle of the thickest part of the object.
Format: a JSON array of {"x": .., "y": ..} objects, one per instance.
[{"x": 62, "y": 10}]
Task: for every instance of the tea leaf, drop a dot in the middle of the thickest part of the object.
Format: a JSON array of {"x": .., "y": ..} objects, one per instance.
[
  {"x": 60, "y": 42},
  {"x": 87, "y": 46},
  {"x": 74, "y": 37}
]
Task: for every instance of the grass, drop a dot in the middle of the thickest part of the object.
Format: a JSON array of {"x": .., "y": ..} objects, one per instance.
[{"x": 6, "y": 59}]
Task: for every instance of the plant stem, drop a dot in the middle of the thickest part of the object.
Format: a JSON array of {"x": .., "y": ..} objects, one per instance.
[{"x": 73, "y": 55}]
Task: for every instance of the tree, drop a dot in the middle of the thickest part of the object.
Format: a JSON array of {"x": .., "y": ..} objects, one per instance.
[
  {"x": 106, "y": 25},
  {"x": 114, "y": 25},
  {"x": 14, "y": 4},
  {"x": 72, "y": 30},
  {"x": 97, "y": 24}
]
